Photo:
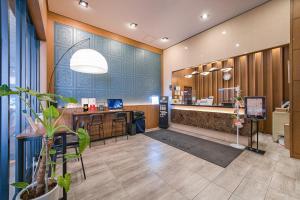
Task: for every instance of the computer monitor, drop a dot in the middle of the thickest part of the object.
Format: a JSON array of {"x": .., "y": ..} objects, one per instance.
[{"x": 114, "y": 104}]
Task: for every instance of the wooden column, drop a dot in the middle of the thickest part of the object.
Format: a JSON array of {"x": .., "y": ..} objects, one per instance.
[{"x": 295, "y": 80}]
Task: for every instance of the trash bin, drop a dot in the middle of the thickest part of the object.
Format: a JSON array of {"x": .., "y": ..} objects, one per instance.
[{"x": 139, "y": 121}]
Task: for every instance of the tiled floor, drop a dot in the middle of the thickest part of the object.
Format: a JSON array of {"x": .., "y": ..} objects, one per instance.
[{"x": 142, "y": 168}]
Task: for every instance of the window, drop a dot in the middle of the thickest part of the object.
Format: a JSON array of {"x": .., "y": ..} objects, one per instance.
[{"x": 19, "y": 67}]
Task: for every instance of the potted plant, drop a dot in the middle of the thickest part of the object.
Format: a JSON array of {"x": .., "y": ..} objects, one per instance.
[{"x": 45, "y": 187}]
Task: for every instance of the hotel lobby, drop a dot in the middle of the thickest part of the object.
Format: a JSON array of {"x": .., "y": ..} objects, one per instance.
[{"x": 150, "y": 100}]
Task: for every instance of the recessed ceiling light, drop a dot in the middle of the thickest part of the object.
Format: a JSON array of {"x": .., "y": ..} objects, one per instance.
[
  {"x": 224, "y": 32},
  {"x": 237, "y": 45},
  {"x": 185, "y": 48},
  {"x": 204, "y": 16},
  {"x": 133, "y": 25},
  {"x": 164, "y": 39},
  {"x": 83, "y": 3}
]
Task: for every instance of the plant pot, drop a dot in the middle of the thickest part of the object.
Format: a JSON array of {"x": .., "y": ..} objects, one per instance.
[{"x": 51, "y": 195}]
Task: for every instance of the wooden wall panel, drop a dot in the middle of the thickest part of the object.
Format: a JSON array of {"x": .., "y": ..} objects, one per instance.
[
  {"x": 261, "y": 73},
  {"x": 277, "y": 78}
]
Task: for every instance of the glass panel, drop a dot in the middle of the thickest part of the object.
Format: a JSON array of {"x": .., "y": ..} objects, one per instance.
[{"x": 12, "y": 80}]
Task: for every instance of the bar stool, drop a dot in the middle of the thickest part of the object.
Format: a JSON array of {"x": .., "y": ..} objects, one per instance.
[
  {"x": 72, "y": 142},
  {"x": 96, "y": 120},
  {"x": 120, "y": 118}
]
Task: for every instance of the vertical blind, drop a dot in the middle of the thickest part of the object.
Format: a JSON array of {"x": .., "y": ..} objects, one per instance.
[{"x": 19, "y": 59}]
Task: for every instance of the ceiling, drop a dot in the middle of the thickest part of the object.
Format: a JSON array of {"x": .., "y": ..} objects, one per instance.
[{"x": 175, "y": 19}]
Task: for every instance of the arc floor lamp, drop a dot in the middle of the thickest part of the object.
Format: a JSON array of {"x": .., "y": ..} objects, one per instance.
[{"x": 83, "y": 60}]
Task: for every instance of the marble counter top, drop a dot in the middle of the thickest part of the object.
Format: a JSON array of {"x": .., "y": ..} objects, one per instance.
[{"x": 207, "y": 109}]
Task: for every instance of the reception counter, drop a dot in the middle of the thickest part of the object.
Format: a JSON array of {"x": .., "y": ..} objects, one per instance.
[{"x": 209, "y": 117}]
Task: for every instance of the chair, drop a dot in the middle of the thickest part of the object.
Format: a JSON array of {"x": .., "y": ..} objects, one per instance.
[
  {"x": 120, "y": 118},
  {"x": 72, "y": 142},
  {"x": 96, "y": 120}
]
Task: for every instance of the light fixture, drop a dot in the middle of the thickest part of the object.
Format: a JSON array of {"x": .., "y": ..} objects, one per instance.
[
  {"x": 204, "y": 16},
  {"x": 188, "y": 76},
  {"x": 133, "y": 25},
  {"x": 224, "y": 32},
  {"x": 88, "y": 61},
  {"x": 237, "y": 45},
  {"x": 213, "y": 69},
  {"x": 164, "y": 39},
  {"x": 204, "y": 73},
  {"x": 185, "y": 48},
  {"x": 226, "y": 69},
  {"x": 83, "y": 3},
  {"x": 195, "y": 72}
]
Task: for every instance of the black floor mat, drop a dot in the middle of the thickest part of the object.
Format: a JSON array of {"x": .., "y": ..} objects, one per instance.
[{"x": 213, "y": 152}]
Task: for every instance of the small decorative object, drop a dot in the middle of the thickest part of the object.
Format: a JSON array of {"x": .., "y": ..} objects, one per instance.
[
  {"x": 238, "y": 122},
  {"x": 101, "y": 107},
  {"x": 85, "y": 107},
  {"x": 92, "y": 108}
]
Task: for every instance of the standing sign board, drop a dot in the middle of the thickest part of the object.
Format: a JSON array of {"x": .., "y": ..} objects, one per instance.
[
  {"x": 255, "y": 110},
  {"x": 163, "y": 112}
]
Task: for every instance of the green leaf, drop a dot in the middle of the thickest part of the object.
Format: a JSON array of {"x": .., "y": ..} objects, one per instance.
[
  {"x": 6, "y": 91},
  {"x": 51, "y": 113},
  {"x": 52, "y": 152},
  {"x": 45, "y": 97},
  {"x": 64, "y": 182},
  {"x": 71, "y": 156},
  {"x": 19, "y": 185},
  {"x": 68, "y": 99},
  {"x": 84, "y": 139}
]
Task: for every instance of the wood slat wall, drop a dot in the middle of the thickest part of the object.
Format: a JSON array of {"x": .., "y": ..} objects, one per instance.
[
  {"x": 295, "y": 79},
  {"x": 262, "y": 73}
]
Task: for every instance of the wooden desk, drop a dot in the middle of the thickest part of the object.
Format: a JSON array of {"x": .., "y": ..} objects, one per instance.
[{"x": 108, "y": 115}]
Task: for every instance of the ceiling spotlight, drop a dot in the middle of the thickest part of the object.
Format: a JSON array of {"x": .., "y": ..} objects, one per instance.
[
  {"x": 237, "y": 45},
  {"x": 185, "y": 48},
  {"x": 204, "y": 73},
  {"x": 188, "y": 76},
  {"x": 226, "y": 69},
  {"x": 204, "y": 16},
  {"x": 83, "y": 3},
  {"x": 224, "y": 32},
  {"x": 164, "y": 39},
  {"x": 133, "y": 25}
]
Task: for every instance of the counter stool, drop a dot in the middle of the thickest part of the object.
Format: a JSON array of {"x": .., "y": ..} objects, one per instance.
[
  {"x": 120, "y": 118},
  {"x": 96, "y": 120},
  {"x": 72, "y": 142}
]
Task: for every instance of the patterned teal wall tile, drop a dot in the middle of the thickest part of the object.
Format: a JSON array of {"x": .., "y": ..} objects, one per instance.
[
  {"x": 63, "y": 35},
  {"x": 133, "y": 73},
  {"x": 115, "y": 65},
  {"x": 116, "y": 49},
  {"x": 64, "y": 77},
  {"x": 83, "y": 80}
]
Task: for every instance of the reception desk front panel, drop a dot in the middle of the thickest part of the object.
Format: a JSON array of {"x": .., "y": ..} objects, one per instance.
[{"x": 215, "y": 118}]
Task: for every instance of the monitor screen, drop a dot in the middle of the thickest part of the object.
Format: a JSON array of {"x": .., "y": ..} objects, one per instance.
[{"x": 114, "y": 104}]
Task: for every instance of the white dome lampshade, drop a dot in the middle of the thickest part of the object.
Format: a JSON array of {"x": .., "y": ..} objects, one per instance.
[{"x": 88, "y": 61}]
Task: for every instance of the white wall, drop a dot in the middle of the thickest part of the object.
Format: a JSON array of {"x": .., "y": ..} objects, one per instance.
[{"x": 263, "y": 27}]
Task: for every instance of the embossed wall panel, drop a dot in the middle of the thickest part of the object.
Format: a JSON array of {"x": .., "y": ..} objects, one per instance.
[{"x": 134, "y": 74}]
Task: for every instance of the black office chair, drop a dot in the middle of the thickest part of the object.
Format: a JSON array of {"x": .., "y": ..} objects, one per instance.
[
  {"x": 96, "y": 120},
  {"x": 119, "y": 118},
  {"x": 72, "y": 142}
]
